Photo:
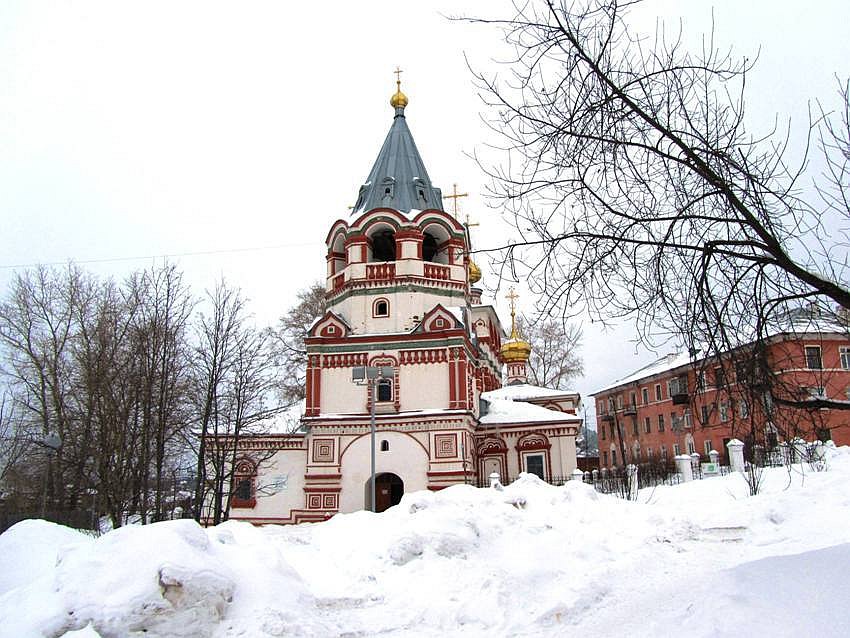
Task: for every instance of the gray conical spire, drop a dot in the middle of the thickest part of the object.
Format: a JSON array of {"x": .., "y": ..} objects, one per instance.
[{"x": 398, "y": 178}]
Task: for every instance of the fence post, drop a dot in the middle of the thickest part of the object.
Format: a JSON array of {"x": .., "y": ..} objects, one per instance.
[
  {"x": 578, "y": 475},
  {"x": 595, "y": 475},
  {"x": 632, "y": 476},
  {"x": 695, "y": 466},
  {"x": 684, "y": 467},
  {"x": 495, "y": 480},
  {"x": 736, "y": 455},
  {"x": 713, "y": 455}
]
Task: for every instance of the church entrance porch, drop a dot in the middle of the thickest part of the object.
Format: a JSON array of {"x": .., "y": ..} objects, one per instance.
[{"x": 389, "y": 489}]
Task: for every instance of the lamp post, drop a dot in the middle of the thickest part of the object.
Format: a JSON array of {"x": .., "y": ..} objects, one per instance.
[
  {"x": 51, "y": 442},
  {"x": 370, "y": 376}
]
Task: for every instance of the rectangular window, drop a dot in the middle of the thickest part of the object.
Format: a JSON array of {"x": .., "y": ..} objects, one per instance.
[
  {"x": 704, "y": 414},
  {"x": 691, "y": 448},
  {"x": 675, "y": 422},
  {"x": 385, "y": 390},
  {"x": 613, "y": 457},
  {"x": 605, "y": 459},
  {"x": 719, "y": 377},
  {"x": 707, "y": 447},
  {"x": 844, "y": 351},
  {"x": 647, "y": 425},
  {"x": 676, "y": 449},
  {"x": 743, "y": 409},
  {"x": 619, "y": 401},
  {"x": 723, "y": 409},
  {"x": 645, "y": 395},
  {"x": 813, "y": 358},
  {"x": 663, "y": 452},
  {"x": 701, "y": 381},
  {"x": 649, "y": 454},
  {"x": 534, "y": 464},
  {"x": 660, "y": 422},
  {"x": 611, "y": 428},
  {"x": 689, "y": 422},
  {"x": 635, "y": 427},
  {"x": 658, "y": 392},
  {"x": 602, "y": 434}
]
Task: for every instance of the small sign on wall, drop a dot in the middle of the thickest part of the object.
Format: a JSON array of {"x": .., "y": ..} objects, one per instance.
[{"x": 278, "y": 483}]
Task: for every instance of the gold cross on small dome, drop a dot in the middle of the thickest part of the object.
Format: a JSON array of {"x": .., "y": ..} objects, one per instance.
[
  {"x": 455, "y": 196},
  {"x": 512, "y": 297}
]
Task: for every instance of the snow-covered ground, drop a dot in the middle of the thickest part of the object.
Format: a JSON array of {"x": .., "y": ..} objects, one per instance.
[{"x": 699, "y": 559}]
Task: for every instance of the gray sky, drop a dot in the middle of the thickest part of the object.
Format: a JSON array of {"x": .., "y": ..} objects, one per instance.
[{"x": 141, "y": 129}]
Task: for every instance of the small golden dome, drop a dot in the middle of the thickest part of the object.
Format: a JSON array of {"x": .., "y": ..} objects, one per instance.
[
  {"x": 516, "y": 350},
  {"x": 399, "y": 100},
  {"x": 474, "y": 272}
]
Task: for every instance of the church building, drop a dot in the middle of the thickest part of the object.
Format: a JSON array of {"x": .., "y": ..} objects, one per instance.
[{"x": 453, "y": 404}]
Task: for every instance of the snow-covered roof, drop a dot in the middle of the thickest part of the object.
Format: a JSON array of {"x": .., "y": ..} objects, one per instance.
[
  {"x": 525, "y": 392},
  {"x": 665, "y": 363},
  {"x": 800, "y": 326},
  {"x": 506, "y": 411}
]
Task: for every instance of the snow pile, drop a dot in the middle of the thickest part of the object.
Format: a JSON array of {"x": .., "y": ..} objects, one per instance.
[{"x": 703, "y": 559}]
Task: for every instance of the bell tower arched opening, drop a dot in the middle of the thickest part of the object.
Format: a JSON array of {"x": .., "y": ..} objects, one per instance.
[{"x": 383, "y": 245}]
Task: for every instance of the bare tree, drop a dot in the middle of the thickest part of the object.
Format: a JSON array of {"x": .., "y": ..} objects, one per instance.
[
  {"x": 288, "y": 339},
  {"x": 235, "y": 378},
  {"x": 555, "y": 359},
  {"x": 636, "y": 189}
]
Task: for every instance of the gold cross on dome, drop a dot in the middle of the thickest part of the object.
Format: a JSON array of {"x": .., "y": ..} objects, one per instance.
[
  {"x": 455, "y": 196},
  {"x": 398, "y": 73},
  {"x": 512, "y": 297}
]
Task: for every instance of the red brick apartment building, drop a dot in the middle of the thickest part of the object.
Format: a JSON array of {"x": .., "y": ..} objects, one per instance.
[{"x": 682, "y": 404}]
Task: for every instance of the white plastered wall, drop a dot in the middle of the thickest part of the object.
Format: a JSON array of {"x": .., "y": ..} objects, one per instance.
[
  {"x": 280, "y": 486},
  {"x": 406, "y": 458},
  {"x": 404, "y": 306}
]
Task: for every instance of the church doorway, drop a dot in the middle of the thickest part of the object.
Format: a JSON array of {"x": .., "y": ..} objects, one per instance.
[{"x": 389, "y": 489}]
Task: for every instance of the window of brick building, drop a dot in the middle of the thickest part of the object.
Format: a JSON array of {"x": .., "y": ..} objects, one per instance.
[
  {"x": 813, "y": 358},
  {"x": 647, "y": 425},
  {"x": 660, "y": 422},
  {"x": 658, "y": 392},
  {"x": 645, "y": 395},
  {"x": 844, "y": 352}
]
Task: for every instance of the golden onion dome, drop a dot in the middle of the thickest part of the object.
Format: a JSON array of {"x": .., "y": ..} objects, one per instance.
[
  {"x": 516, "y": 351},
  {"x": 399, "y": 100},
  {"x": 474, "y": 272}
]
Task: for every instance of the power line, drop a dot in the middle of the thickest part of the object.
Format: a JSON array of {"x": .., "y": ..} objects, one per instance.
[{"x": 163, "y": 256}]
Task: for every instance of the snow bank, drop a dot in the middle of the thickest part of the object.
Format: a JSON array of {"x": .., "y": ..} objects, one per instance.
[{"x": 703, "y": 558}]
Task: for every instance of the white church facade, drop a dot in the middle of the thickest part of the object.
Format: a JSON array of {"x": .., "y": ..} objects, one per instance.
[{"x": 455, "y": 405}]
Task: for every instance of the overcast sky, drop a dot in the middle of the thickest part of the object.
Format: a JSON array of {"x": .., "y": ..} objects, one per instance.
[{"x": 131, "y": 130}]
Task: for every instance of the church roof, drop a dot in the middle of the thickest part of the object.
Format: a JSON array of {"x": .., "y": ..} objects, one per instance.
[{"x": 398, "y": 178}]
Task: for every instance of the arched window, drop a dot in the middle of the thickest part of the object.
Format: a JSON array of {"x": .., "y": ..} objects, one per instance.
[
  {"x": 381, "y": 308},
  {"x": 244, "y": 484},
  {"x": 429, "y": 247},
  {"x": 383, "y": 245},
  {"x": 385, "y": 446}
]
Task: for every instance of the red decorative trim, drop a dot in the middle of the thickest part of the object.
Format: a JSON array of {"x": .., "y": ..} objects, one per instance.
[
  {"x": 323, "y": 450},
  {"x": 329, "y": 477},
  {"x": 432, "y": 355},
  {"x": 449, "y": 474},
  {"x": 384, "y": 271},
  {"x": 436, "y": 271},
  {"x": 322, "y": 490},
  {"x": 445, "y": 446},
  {"x": 346, "y": 360}
]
